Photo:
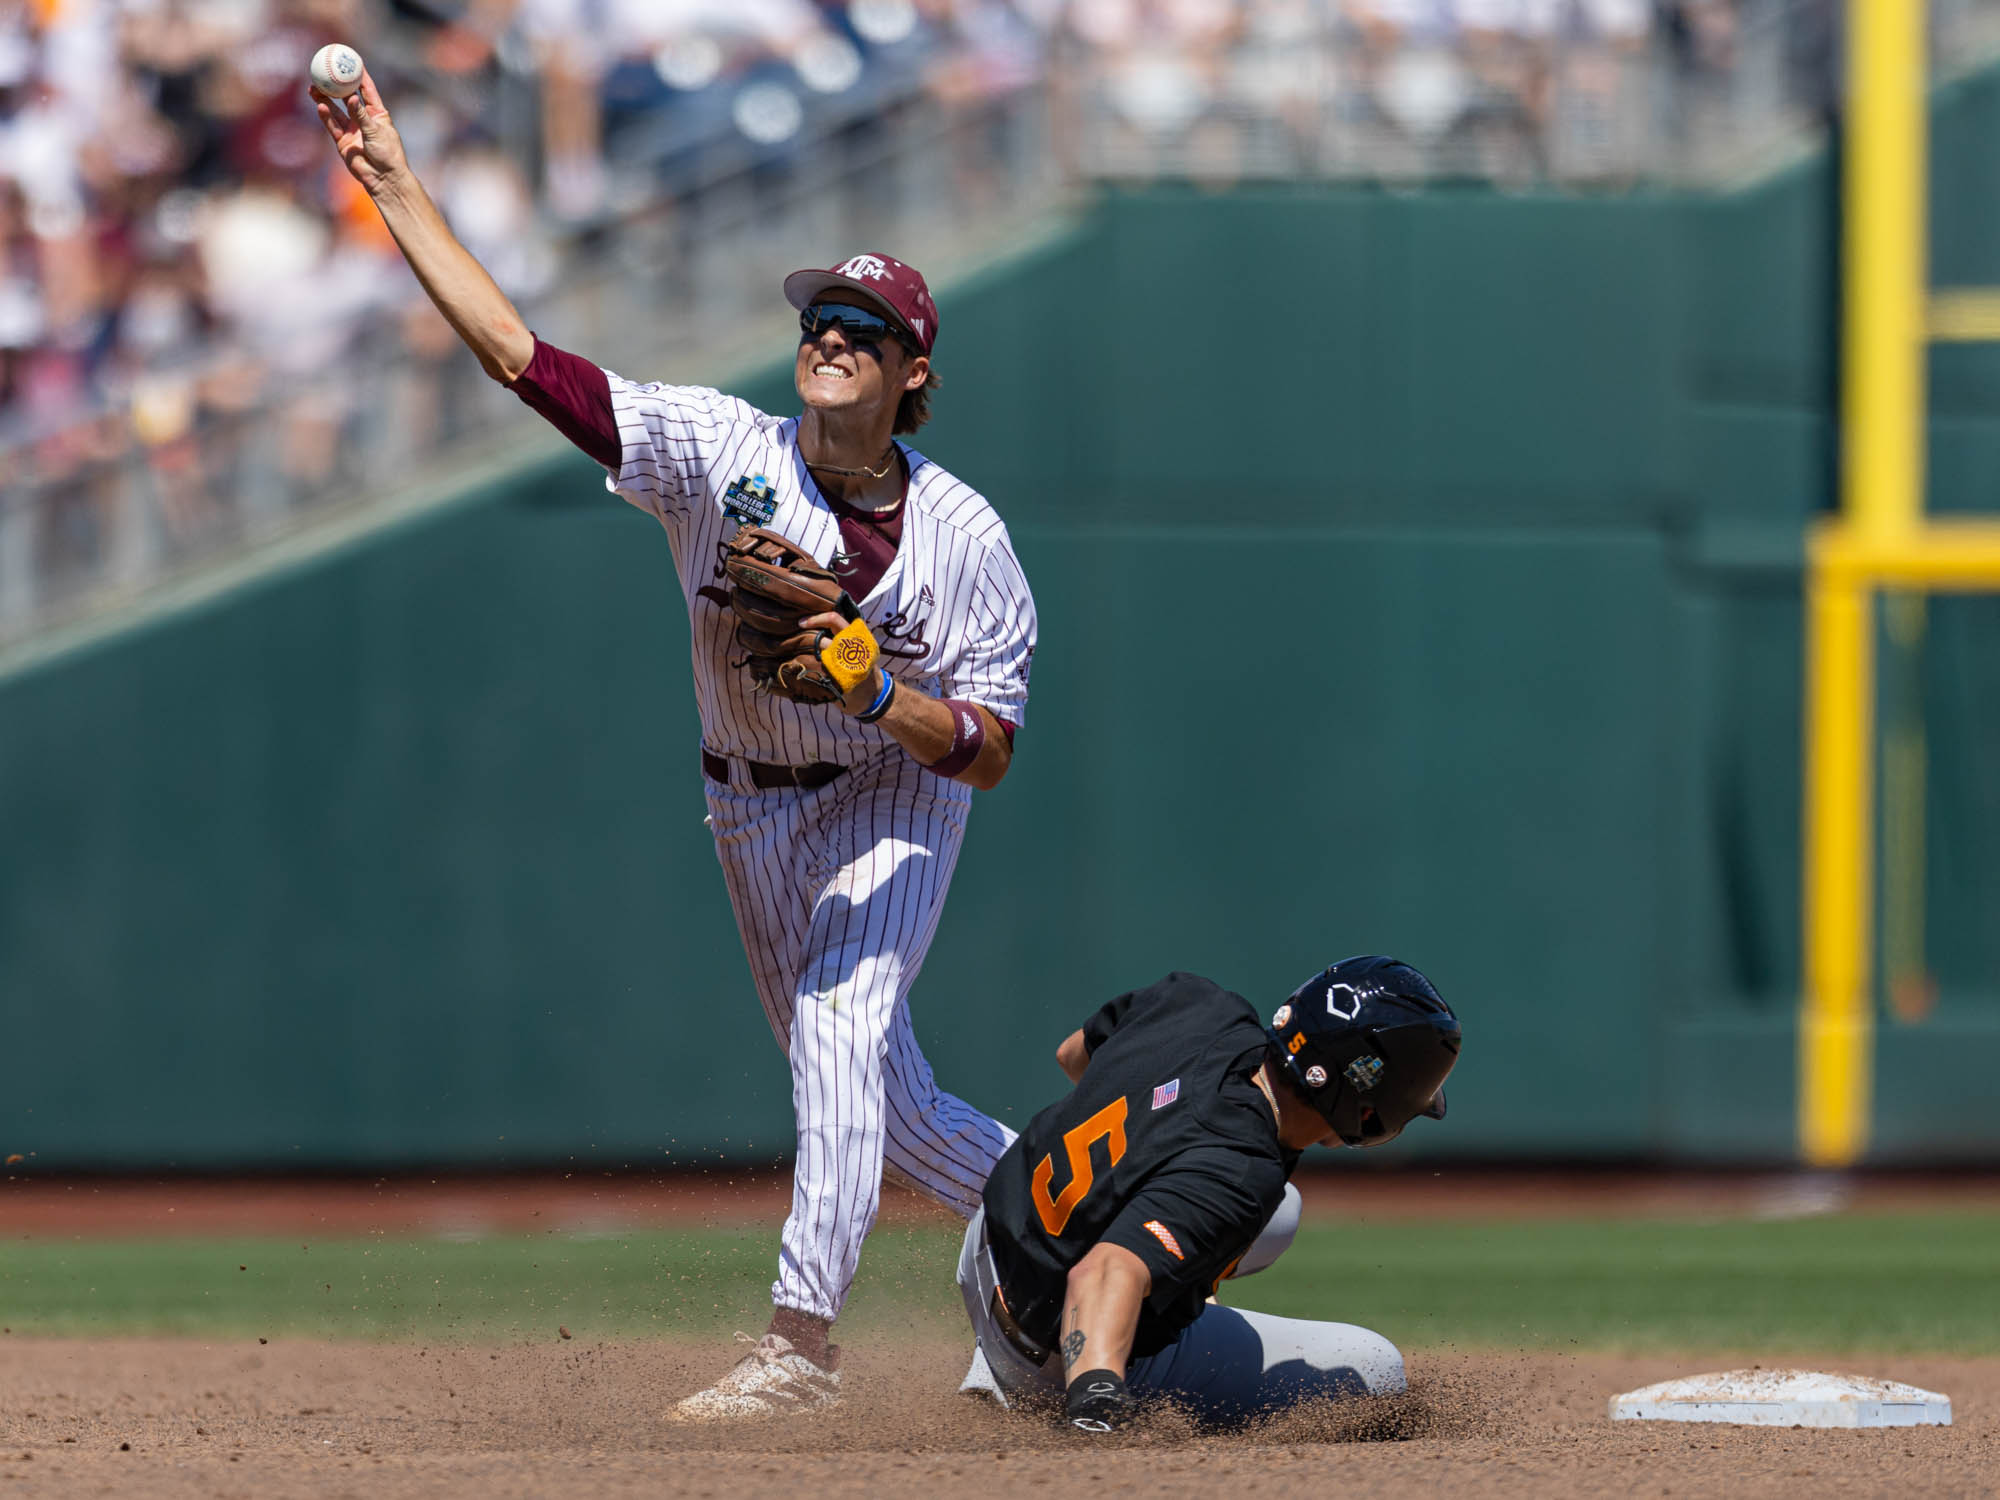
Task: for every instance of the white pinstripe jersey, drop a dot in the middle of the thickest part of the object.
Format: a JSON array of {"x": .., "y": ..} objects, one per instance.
[{"x": 952, "y": 612}]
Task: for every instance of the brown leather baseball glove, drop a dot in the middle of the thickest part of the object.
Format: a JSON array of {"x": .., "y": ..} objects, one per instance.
[{"x": 776, "y": 584}]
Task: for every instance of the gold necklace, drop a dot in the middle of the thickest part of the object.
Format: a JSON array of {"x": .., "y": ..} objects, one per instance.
[
  {"x": 881, "y": 473},
  {"x": 1270, "y": 1098}
]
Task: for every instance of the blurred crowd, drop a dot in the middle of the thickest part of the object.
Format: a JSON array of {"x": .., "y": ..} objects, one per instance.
[
  {"x": 186, "y": 274},
  {"x": 176, "y": 241},
  {"x": 1501, "y": 89},
  {"x": 193, "y": 294}
]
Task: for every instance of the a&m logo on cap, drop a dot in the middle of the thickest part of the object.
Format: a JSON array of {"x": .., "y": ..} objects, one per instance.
[{"x": 898, "y": 286}]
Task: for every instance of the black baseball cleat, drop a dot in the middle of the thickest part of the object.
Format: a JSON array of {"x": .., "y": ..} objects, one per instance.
[{"x": 1097, "y": 1401}]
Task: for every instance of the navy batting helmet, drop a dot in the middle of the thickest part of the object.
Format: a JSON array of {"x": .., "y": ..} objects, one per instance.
[{"x": 1368, "y": 1042}]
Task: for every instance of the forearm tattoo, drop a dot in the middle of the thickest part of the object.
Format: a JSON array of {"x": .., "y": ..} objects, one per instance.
[{"x": 1073, "y": 1340}]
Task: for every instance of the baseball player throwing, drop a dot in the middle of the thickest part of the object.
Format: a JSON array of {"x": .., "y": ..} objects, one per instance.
[
  {"x": 862, "y": 635},
  {"x": 1121, "y": 1208}
]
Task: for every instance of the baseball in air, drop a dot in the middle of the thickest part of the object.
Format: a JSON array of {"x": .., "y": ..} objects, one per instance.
[{"x": 336, "y": 70}]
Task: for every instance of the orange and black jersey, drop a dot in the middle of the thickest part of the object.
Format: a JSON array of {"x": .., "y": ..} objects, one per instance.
[{"x": 1166, "y": 1147}]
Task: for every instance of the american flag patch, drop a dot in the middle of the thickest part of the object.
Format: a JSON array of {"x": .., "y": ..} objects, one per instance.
[
  {"x": 1166, "y": 1237},
  {"x": 1166, "y": 1094}
]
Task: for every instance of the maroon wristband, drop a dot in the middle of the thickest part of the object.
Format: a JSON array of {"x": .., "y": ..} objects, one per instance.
[{"x": 968, "y": 733}]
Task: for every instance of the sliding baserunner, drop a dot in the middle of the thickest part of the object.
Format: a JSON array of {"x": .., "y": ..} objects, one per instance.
[{"x": 1110, "y": 1223}]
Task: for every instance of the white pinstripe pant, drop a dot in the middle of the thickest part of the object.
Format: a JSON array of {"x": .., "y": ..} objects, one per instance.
[{"x": 837, "y": 894}]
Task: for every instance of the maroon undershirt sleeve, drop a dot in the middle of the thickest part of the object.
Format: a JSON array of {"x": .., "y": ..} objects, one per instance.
[{"x": 574, "y": 396}]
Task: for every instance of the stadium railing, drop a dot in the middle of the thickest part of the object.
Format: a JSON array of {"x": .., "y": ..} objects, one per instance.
[
  {"x": 92, "y": 515},
  {"x": 203, "y": 462}
]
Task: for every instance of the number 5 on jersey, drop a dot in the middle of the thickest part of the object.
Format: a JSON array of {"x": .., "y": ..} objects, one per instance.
[{"x": 1107, "y": 1125}]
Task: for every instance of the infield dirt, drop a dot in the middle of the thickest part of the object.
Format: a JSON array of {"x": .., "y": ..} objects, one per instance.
[{"x": 183, "y": 1418}]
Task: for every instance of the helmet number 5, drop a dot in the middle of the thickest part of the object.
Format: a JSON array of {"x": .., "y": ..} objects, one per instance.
[{"x": 1107, "y": 1125}]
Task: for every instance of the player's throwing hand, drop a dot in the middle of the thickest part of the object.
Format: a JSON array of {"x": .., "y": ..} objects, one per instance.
[{"x": 363, "y": 134}]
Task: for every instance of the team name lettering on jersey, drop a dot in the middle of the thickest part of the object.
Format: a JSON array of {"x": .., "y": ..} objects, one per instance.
[
  {"x": 901, "y": 636},
  {"x": 713, "y": 591}
]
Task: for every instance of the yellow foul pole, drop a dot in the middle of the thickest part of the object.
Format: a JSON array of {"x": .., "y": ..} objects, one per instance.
[
  {"x": 1836, "y": 1031},
  {"x": 1882, "y": 481},
  {"x": 1883, "y": 340}
]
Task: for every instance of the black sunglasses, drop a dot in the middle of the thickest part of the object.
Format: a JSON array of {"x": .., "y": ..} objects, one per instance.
[{"x": 857, "y": 325}]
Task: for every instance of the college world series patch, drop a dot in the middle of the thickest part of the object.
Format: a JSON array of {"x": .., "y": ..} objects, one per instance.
[
  {"x": 751, "y": 500},
  {"x": 1364, "y": 1072}
]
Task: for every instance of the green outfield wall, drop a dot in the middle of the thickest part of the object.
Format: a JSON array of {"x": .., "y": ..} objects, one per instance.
[{"x": 1417, "y": 573}]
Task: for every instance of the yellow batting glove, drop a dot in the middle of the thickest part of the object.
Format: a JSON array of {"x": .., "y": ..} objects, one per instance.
[{"x": 851, "y": 655}]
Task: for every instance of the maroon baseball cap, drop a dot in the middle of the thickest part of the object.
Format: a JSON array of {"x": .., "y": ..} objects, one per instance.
[{"x": 897, "y": 289}]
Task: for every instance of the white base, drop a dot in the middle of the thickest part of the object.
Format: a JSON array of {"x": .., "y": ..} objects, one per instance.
[{"x": 1784, "y": 1398}]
